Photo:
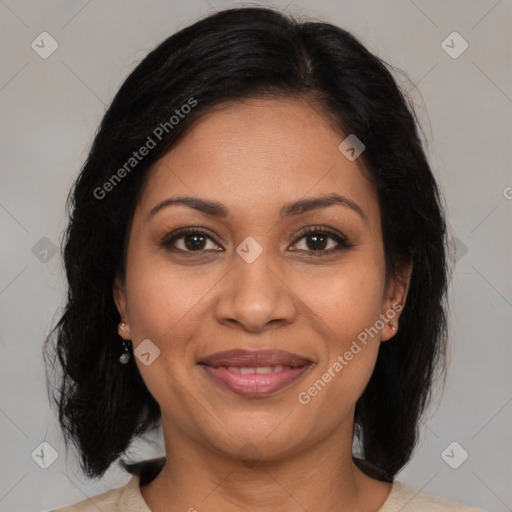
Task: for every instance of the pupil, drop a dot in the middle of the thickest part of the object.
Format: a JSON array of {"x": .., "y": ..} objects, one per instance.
[
  {"x": 316, "y": 245},
  {"x": 196, "y": 244}
]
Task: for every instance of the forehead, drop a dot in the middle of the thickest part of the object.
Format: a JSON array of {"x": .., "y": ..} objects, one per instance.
[{"x": 259, "y": 154}]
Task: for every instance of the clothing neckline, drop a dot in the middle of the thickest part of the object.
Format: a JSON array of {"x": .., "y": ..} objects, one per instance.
[{"x": 135, "y": 501}]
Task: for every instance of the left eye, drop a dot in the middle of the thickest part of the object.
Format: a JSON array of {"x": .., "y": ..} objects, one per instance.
[{"x": 318, "y": 241}]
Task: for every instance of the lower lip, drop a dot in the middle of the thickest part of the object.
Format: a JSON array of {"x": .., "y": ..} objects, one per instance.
[{"x": 254, "y": 384}]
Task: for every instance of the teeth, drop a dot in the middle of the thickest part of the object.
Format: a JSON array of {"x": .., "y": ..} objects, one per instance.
[
  {"x": 264, "y": 369},
  {"x": 260, "y": 369}
]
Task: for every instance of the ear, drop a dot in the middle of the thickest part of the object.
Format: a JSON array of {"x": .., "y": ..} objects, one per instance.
[
  {"x": 395, "y": 297},
  {"x": 119, "y": 294}
]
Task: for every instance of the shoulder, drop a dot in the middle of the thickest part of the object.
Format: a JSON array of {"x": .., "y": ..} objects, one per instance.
[
  {"x": 126, "y": 498},
  {"x": 407, "y": 499}
]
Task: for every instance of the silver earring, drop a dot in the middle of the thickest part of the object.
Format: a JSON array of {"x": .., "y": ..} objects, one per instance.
[
  {"x": 125, "y": 356},
  {"x": 393, "y": 328}
]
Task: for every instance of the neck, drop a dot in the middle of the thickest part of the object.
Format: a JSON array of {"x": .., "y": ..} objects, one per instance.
[{"x": 321, "y": 478}]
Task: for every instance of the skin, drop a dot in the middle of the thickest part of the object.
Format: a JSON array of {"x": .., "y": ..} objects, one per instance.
[{"x": 254, "y": 157}]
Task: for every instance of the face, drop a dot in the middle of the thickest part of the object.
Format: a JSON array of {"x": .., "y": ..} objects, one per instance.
[{"x": 257, "y": 274}]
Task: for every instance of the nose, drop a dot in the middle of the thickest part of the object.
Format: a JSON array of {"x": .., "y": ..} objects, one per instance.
[{"x": 255, "y": 296}]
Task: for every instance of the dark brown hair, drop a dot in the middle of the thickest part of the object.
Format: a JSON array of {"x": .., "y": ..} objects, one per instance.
[{"x": 230, "y": 55}]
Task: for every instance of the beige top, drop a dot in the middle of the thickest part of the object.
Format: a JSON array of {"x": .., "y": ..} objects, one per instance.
[{"x": 128, "y": 498}]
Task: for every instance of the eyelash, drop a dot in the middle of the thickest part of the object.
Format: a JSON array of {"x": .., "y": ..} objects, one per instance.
[{"x": 343, "y": 243}]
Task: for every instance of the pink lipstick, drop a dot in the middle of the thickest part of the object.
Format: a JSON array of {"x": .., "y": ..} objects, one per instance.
[{"x": 255, "y": 373}]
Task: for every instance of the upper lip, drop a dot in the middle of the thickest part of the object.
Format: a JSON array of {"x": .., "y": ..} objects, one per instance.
[{"x": 253, "y": 359}]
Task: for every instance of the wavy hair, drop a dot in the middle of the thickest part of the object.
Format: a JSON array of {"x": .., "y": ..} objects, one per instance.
[{"x": 237, "y": 54}]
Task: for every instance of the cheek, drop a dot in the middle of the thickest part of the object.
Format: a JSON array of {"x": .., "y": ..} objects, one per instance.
[
  {"x": 165, "y": 307},
  {"x": 347, "y": 306},
  {"x": 347, "y": 301},
  {"x": 164, "y": 300}
]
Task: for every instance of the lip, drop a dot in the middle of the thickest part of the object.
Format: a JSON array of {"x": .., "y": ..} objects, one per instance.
[
  {"x": 251, "y": 359},
  {"x": 225, "y": 368},
  {"x": 254, "y": 384}
]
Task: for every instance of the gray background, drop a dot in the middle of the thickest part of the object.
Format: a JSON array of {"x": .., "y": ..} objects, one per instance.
[{"x": 50, "y": 109}]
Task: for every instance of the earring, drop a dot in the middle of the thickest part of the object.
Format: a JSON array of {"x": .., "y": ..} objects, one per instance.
[
  {"x": 125, "y": 356},
  {"x": 393, "y": 328}
]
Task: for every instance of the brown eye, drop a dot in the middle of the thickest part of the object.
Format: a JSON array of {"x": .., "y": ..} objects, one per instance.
[
  {"x": 191, "y": 240},
  {"x": 317, "y": 240},
  {"x": 194, "y": 241}
]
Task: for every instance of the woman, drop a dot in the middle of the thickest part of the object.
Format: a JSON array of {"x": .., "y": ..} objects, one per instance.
[{"x": 256, "y": 259}]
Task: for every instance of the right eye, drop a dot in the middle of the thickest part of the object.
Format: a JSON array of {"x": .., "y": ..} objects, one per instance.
[{"x": 193, "y": 240}]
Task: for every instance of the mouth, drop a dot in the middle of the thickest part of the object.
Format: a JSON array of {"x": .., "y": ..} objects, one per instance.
[{"x": 255, "y": 373}]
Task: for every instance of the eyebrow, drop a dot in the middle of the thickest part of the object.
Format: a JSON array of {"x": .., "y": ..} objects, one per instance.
[{"x": 296, "y": 208}]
